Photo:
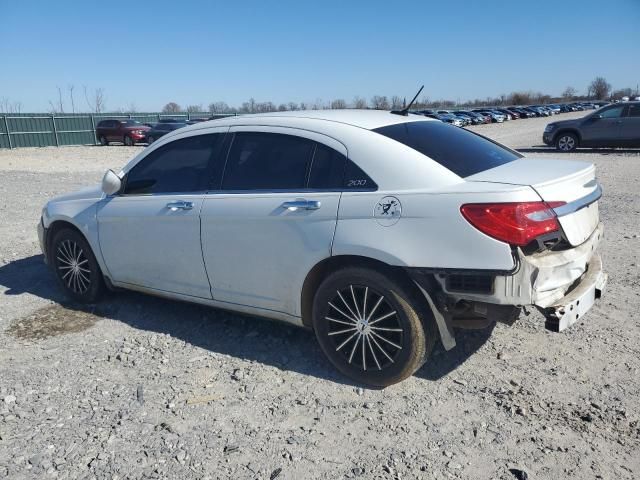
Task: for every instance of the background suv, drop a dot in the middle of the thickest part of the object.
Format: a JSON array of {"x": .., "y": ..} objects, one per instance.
[
  {"x": 616, "y": 125},
  {"x": 128, "y": 132}
]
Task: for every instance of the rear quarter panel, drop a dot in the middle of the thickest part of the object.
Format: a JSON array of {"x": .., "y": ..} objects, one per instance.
[{"x": 431, "y": 232}]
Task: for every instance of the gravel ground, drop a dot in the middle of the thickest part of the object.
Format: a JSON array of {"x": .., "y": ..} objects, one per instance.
[{"x": 139, "y": 387}]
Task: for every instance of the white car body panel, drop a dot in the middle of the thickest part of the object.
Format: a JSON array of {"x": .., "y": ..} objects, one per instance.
[
  {"x": 258, "y": 253},
  {"x": 79, "y": 209},
  {"x": 431, "y": 233},
  {"x": 147, "y": 244}
]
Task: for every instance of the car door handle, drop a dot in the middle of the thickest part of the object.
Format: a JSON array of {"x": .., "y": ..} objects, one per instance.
[
  {"x": 179, "y": 205},
  {"x": 302, "y": 205}
]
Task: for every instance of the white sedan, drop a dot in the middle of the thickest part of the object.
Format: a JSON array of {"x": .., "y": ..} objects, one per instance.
[{"x": 381, "y": 231}]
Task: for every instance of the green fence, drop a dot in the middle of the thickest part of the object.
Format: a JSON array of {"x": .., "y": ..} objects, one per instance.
[{"x": 45, "y": 130}]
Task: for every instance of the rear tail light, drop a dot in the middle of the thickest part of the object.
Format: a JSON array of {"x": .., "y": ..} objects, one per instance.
[{"x": 514, "y": 223}]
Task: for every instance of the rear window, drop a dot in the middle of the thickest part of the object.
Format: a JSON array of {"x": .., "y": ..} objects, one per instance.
[{"x": 462, "y": 152}]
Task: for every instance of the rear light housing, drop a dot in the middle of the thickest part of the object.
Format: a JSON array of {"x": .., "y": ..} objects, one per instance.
[{"x": 516, "y": 223}]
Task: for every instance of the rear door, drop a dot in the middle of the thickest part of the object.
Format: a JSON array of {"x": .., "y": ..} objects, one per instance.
[
  {"x": 150, "y": 233},
  {"x": 605, "y": 131},
  {"x": 273, "y": 216},
  {"x": 630, "y": 130}
]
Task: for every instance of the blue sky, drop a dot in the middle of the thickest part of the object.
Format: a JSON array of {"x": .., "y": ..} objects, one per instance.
[{"x": 151, "y": 52}]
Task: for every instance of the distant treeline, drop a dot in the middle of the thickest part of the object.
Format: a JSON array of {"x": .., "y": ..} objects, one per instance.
[{"x": 66, "y": 101}]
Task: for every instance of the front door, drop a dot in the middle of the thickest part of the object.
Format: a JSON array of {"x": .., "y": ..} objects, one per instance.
[
  {"x": 273, "y": 217},
  {"x": 113, "y": 131},
  {"x": 604, "y": 131},
  {"x": 150, "y": 233}
]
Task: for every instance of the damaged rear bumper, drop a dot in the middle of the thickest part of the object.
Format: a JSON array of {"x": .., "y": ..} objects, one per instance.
[
  {"x": 569, "y": 309},
  {"x": 563, "y": 285}
]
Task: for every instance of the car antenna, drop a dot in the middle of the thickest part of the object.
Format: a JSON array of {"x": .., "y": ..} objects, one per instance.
[{"x": 405, "y": 111}]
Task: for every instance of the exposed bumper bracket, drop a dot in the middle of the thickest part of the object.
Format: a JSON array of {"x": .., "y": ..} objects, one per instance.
[{"x": 569, "y": 309}]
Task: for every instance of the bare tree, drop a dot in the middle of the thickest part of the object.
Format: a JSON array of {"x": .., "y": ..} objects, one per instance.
[
  {"x": 359, "y": 102},
  {"x": 338, "y": 103},
  {"x": 623, "y": 92},
  {"x": 131, "y": 108},
  {"x": 71, "y": 88},
  {"x": 171, "y": 107},
  {"x": 96, "y": 103},
  {"x": 380, "y": 102},
  {"x": 396, "y": 103},
  {"x": 282, "y": 107},
  {"x": 292, "y": 106},
  {"x": 194, "y": 108},
  {"x": 60, "y": 102},
  {"x": 569, "y": 93},
  {"x": 303, "y": 106},
  {"x": 600, "y": 88},
  {"x": 219, "y": 107},
  {"x": 7, "y": 106},
  {"x": 318, "y": 104}
]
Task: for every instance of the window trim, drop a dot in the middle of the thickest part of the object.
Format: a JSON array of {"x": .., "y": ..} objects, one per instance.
[
  {"x": 209, "y": 168},
  {"x": 306, "y": 134},
  {"x": 307, "y": 170}
]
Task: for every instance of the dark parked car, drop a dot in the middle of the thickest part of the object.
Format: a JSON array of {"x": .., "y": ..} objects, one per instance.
[
  {"x": 509, "y": 113},
  {"x": 473, "y": 119},
  {"x": 128, "y": 132},
  {"x": 172, "y": 120},
  {"x": 162, "y": 129},
  {"x": 612, "y": 126}
]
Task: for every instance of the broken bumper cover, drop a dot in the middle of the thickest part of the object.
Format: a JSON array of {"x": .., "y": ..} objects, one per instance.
[
  {"x": 571, "y": 308},
  {"x": 560, "y": 284}
]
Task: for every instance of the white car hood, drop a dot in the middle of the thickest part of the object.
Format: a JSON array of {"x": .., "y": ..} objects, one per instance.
[{"x": 88, "y": 193}]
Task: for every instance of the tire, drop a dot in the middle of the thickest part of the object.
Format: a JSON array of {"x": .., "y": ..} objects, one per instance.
[
  {"x": 103, "y": 140},
  {"x": 566, "y": 142},
  {"x": 76, "y": 267},
  {"x": 128, "y": 141},
  {"x": 400, "y": 343},
  {"x": 150, "y": 140}
]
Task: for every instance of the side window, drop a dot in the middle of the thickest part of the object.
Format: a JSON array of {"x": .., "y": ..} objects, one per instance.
[
  {"x": 356, "y": 179},
  {"x": 327, "y": 168},
  {"x": 180, "y": 166},
  {"x": 612, "y": 112},
  {"x": 267, "y": 161},
  {"x": 634, "y": 110}
]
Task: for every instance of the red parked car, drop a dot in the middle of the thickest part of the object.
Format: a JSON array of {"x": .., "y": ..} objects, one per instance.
[{"x": 128, "y": 132}]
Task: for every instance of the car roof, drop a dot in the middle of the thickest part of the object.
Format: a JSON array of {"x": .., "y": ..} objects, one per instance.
[{"x": 367, "y": 119}]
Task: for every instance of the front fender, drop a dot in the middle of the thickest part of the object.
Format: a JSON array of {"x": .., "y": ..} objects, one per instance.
[{"x": 81, "y": 214}]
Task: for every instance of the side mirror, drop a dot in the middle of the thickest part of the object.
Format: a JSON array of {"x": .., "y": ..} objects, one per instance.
[{"x": 111, "y": 183}]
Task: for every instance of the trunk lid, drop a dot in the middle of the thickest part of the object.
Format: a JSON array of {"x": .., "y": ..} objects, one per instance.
[{"x": 568, "y": 181}]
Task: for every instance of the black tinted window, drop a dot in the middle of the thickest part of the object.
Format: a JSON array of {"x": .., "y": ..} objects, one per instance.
[
  {"x": 327, "y": 169},
  {"x": 612, "y": 112},
  {"x": 356, "y": 179},
  {"x": 634, "y": 111},
  {"x": 180, "y": 166},
  {"x": 462, "y": 152},
  {"x": 267, "y": 161}
]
